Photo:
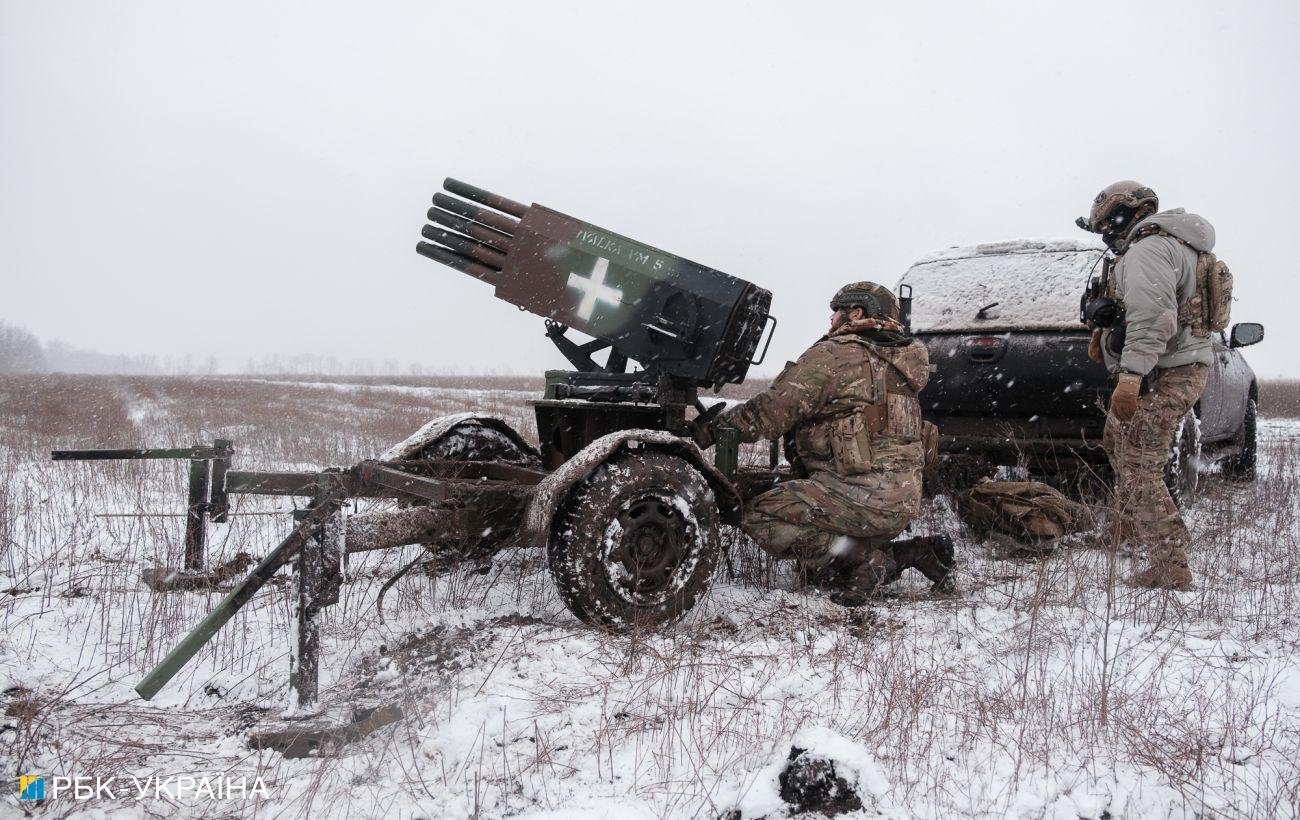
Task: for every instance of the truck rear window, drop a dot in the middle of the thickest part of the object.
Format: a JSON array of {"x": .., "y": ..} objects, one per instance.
[{"x": 1019, "y": 285}]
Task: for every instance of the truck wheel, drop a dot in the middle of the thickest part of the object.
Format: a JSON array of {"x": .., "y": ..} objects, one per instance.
[
  {"x": 636, "y": 542},
  {"x": 1240, "y": 466},
  {"x": 1182, "y": 475}
]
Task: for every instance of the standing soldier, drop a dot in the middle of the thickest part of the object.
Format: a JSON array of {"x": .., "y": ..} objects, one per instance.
[
  {"x": 849, "y": 405},
  {"x": 1159, "y": 350}
]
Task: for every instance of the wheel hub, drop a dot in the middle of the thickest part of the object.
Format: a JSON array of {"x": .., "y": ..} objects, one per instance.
[{"x": 650, "y": 548}]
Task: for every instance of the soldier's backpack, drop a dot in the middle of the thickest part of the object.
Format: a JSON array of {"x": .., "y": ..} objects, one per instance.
[
  {"x": 1025, "y": 510},
  {"x": 1209, "y": 310}
]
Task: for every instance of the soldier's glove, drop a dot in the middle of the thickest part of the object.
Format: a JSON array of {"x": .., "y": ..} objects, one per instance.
[
  {"x": 1094, "y": 345},
  {"x": 702, "y": 434},
  {"x": 1124, "y": 401}
]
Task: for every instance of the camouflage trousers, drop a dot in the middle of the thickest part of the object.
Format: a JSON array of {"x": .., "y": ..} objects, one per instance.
[
  {"x": 1139, "y": 450},
  {"x": 801, "y": 519}
]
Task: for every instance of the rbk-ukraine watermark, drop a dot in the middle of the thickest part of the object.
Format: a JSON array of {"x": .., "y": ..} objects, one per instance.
[{"x": 171, "y": 787}]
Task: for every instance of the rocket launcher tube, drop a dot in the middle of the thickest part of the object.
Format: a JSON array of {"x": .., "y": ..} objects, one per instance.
[
  {"x": 678, "y": 318},
  {"x": 190, "y": 645},
  {"x": 482, "y": 215},
  {"x": 482, "y": 233},
  {"x": 464, "y": 246},
  {"x": 457, "y": 262},
  {"x": 482, "y": 197}
]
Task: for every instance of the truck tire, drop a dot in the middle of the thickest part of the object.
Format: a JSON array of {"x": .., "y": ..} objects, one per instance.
[
  {"x": 1240, "y": 466},
  {"x": 1182, "y": 471},
  {"x": 634, "y": 544}
]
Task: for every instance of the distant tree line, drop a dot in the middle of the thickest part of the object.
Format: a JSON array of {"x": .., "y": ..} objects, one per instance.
[{"x": 22, "y": 352}]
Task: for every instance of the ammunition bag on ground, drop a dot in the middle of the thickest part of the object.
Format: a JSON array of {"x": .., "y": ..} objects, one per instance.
[{"x": 1025, "y": 510}]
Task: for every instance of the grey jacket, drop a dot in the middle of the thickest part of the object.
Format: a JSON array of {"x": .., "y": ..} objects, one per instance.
[{"x": 1153, "y": 277}]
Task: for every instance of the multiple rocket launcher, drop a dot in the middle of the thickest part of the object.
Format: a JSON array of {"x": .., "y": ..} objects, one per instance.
[
  {"x": 688, "y": 326},
  {"x": 673, "y": 316}
]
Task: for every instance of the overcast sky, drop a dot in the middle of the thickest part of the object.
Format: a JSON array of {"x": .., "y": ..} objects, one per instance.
[{"x": 239, "y": 179}]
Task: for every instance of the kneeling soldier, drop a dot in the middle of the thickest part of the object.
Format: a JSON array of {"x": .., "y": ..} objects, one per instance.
[{"x": 849, "y": 406}]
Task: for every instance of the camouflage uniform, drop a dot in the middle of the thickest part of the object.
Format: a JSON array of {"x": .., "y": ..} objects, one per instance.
[
  {"x": 1155, "y": 280},
  {"x": 850, "y": 406},
  {"x": 1138, "y": 450}
]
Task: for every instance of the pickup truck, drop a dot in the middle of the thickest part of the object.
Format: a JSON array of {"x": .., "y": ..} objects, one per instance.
[{"x": 1012, "y": 384}]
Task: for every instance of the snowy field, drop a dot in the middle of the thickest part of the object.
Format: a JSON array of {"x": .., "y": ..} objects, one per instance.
[{"x": 1048, "y": 690}]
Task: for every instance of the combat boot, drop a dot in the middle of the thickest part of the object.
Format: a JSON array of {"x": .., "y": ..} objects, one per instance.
[
  {"x": 828, "y": 575},
  {"x": 1166, "y": 569},
  {"x": 831, "y": 569},
  {"x": 932, "y": 555},
  {"x": 1163, "y": 576},
  {"x": 866, "y": 579}
]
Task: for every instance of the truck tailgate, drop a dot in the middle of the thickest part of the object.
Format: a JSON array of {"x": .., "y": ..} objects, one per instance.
[{"x": 1045, "y": 376}]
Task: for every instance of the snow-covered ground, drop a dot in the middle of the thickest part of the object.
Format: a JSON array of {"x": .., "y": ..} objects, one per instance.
[{"x": 1048, "y": 689}]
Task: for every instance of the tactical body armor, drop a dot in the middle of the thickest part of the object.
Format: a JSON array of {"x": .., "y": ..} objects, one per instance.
[
  {"x": 849, "y": 405},
  {"x": 870, "y": 423}
]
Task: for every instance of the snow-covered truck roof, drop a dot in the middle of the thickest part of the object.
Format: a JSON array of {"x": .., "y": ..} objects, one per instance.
[{"x": 1034, "y": 283}]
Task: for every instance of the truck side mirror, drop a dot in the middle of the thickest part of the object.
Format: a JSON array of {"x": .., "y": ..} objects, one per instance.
[{"x": 1245, "y": 334}]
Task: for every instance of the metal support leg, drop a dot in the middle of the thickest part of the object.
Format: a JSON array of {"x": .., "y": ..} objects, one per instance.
[
  {"x": 196, "y": 520},
  {"x": 219, "y": 504},
  {"x": 304, "y": 659},
  {"x": 317, "y": 578}
]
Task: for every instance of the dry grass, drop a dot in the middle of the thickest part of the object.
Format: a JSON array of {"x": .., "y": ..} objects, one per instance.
[
  {"x": 1049, "y": 688},
  {"x": 1280, "y": 398}
]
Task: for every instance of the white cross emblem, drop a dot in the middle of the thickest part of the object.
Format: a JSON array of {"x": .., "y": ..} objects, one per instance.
[{"x": 594, "y": 289}]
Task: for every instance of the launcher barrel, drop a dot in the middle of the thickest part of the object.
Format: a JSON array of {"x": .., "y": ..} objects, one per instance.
[
  {"x": 485, "y": 216},
  {"x": 457, "y": 262},
  {"x": 464, "y": 246},
  {"x": 482, "y": 197},
  {"x": 473, "y": 230}
]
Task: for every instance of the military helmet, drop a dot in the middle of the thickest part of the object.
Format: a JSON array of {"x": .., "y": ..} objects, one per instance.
[
  {"x": 875, "y": 300},
  {"x": 1123, "y": 194}
]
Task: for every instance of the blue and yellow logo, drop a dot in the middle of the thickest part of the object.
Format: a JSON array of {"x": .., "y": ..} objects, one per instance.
[{"x": 31, "y": 787}]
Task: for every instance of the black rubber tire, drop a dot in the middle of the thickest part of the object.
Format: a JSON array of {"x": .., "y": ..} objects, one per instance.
[
  {"x": 1242, "y": 466},
  {"x": 1182, "y": 471},
  {"x": 474, "y": 441},
  {"x": 659, "y": 512}
]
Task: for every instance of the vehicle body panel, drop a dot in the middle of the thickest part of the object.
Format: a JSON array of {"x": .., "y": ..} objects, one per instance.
[{"x": 1010, "y": 376}]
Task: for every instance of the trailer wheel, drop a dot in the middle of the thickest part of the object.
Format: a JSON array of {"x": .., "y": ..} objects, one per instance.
[
  {"x": 475, "y": 441},
  {"x": 636, "y": 542},
  {"x": 1182, "y": 471}
]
